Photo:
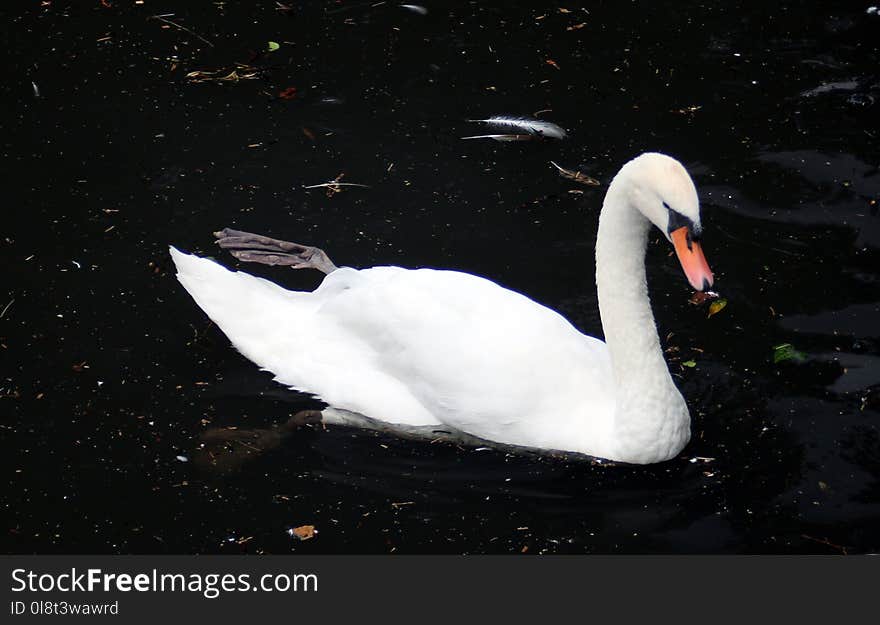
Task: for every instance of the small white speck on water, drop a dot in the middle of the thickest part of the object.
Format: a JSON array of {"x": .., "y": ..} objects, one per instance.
[{"x": 182, "y": 458}]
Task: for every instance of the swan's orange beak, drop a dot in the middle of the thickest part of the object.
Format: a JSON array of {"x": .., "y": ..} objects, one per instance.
[{"x": 690, "y": 254}]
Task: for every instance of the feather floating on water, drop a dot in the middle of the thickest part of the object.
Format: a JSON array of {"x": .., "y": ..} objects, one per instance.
[
  {"x": 524, "y": 124},
  {"x": 415, "y": 8},
  {"x": 504, "y": 137}
]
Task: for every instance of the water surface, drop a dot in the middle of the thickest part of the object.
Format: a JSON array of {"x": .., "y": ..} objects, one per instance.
[{"x": 111, "y": 372}]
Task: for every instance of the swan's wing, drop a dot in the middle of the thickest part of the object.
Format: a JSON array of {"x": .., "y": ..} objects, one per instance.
[
  {"x": 478, "y": 357},
  {"x": 283, "y": 332},
  {"x": 417, "y": 348}
]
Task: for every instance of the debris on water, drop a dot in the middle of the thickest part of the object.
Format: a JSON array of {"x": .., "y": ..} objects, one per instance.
[
  {"x": 330, "y": 101},
  {"x": 689, "y": 364},
  {"x": 415, "y": 8},
  {"x": 273, "y": 46},
  {"x": 182, "y": 458},
  {"x": 576, "y": 26},
  {"x": 303, "y": 532},
  {"x": 787, "y": 351},
  {"x": 7, "y": 307},
  {"x": 688, "y": 110},
  {"x": 503, "y": 137},
  {"x": 288, "y": 94},
  {"x": 239, "y": 72},
  {"x": 577, "y": 176},
  {"x": 162, "y": 19},
  {"x": 701, "y": 297},
  {"x": 829, "y": 87},
  {"x": 703, "y": 459},
  {"x": 36, "y": 89},
  {"x": 873, "y": 11},
  {"x": 825, "y": 541},
  {"x": 335, "y": 186},
  {"x": 483, "y": 449},
  {"x": 400, "y": 504},
  {"x": 552, "y": 63},
  {"x": 717, "y": 306},
  {"x": 524, "y": 125},
  {"x": 861, "y": 99}
]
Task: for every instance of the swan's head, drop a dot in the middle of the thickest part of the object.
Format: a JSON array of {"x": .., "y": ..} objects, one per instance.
[{"x": 661, "y": 189}]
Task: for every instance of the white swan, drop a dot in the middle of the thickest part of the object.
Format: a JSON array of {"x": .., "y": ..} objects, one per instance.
[{"x": 449, "y": 350}]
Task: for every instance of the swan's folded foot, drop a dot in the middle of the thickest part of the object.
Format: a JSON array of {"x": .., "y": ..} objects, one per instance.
[{"x": 255, "y": 248}]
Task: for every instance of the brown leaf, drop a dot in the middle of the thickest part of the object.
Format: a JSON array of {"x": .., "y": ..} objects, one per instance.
[
  {"x": 701, "y": 297},
  {"x": 288, "y": 94},
  {"x": 303, "y": 532}
]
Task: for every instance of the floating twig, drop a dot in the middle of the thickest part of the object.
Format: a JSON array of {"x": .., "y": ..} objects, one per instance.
[
  {"x": 825, "y": 541},
  {"x": 161, "y": 18},
  {"x": 577, "y": 176},
  {"x": 11, "y": 302},
  {"x": 239, "y": 72},
  {"x": 335, "y": 186}
]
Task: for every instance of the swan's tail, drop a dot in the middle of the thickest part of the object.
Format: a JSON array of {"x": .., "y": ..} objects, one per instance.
[{"x": 254, "y": 313}]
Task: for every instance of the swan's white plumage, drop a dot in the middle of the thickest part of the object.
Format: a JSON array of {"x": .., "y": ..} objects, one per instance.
[
  {"x": 417, "y": 347},
  {"x": 431, "y": 348}
]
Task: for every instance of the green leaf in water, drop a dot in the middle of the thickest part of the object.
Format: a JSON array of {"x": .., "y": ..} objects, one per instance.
[
  {"x": 717, "y": 306},
  {"x": 689, "y": 363},
  {"x": 274, "y": 45},
  {"x": 786, "y": 351}
]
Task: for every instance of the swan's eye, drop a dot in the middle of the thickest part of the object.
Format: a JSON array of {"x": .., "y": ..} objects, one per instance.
[{"x": 677, "y": 220}]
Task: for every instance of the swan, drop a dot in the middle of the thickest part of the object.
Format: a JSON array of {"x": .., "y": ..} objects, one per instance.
[{"x": 431, "y": 349}]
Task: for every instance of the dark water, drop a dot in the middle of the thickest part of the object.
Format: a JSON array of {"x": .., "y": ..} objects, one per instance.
[{"x": 110, "y": 371}]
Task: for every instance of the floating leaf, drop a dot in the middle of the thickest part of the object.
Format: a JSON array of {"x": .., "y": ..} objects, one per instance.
[
  {"x": 303, "y": 532},
  {"x": 273, "y": 46},
  {"x": 689, "y": 363},
  {"x": 787, "y": 351},
  {"x": 701, "y": 297},
  {"x": 717, "y": 306}
]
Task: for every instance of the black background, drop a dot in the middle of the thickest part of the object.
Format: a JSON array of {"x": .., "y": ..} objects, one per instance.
[{"x": 110, "y": 372}]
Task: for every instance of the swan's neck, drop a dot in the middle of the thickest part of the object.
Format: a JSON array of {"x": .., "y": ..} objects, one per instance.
[{"x": 651, "y": 421}]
